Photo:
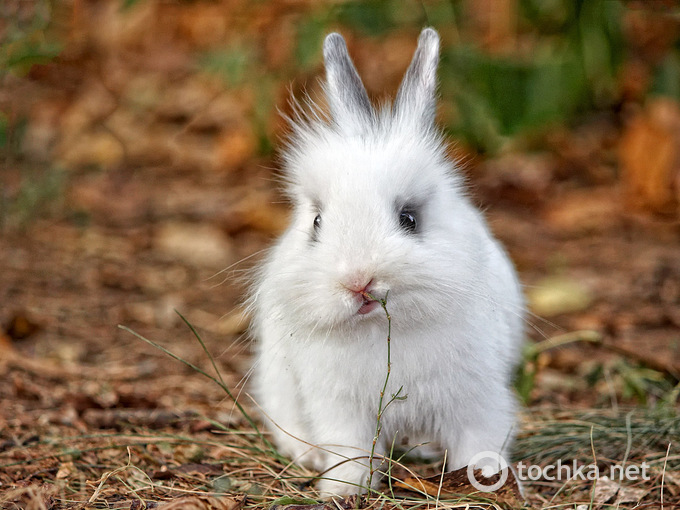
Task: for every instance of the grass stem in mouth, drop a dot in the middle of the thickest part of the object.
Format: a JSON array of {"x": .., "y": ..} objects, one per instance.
[{"x": 396, "y": 396}]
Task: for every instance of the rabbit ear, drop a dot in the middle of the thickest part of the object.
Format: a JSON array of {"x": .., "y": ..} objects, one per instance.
[
  {"x": 347, "y": 96},
  {"x": 416, "y": 97}
]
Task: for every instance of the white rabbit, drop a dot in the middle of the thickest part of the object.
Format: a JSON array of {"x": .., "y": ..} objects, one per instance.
[{"x": 378, "y": 209}]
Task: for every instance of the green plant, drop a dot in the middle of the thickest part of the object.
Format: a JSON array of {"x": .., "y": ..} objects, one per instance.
[
  {"x": 570, "y": 69},
  {"x": 525, "y": 377},
  {"x": 27, "y": 38},
  {"x": 641, "y": 383},
  {"x": 635, "y": 434},
  {"x": 666, "y": 80},
  {"x": 566, "y": 64},
  {"x": 40, "y": 193},
  {"x": 236, "y": 64}
]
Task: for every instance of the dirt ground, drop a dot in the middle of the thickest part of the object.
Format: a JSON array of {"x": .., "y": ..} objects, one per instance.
[
  {"x": 159, "y": 242},
  {"x": 136, "y": 236}
]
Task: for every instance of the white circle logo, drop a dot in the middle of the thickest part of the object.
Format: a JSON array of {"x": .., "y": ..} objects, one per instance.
[{"x": 490, "y": 463}]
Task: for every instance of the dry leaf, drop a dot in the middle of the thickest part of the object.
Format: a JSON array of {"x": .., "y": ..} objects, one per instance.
[
  {"x": 232, "y": 323},
  {"x": 256, "y": 210},
  {"x": 605, "y": 490},
  {"x": 21, "y": 326},
  {"x": 584, "y": 211},
  {"x": 100, "y": 150},
  {"x": 457, "y": 483},
  {"x": 235, "y": 148},
  {"x": 65, "y": 470},
  {"x": 672, "y": 482},
  {"x": 556, "y": 295},
  {"x": 316, "y": 506},
  {"x": 195, "y": 244},
  {"x": 204, "y": 503},
  {"x": 630, "y": 495},
  {"x": 121, "y": 418},
  {"x": 288, "y": 503},
  {"x": 650, "y": 158}
]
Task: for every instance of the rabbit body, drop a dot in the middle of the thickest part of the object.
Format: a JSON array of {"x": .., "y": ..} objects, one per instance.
[{"x": 379, "y": 211}]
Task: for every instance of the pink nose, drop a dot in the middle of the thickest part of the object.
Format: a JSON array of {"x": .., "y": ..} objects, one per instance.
[{"x": 358, "y": 286}]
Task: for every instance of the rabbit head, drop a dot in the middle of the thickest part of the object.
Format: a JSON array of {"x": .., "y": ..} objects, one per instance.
[{"x": 378, "y": 207}]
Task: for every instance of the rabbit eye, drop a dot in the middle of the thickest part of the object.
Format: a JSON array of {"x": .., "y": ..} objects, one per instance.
[
  {"x": 407, "y": 221},
  {"x": 317, "y": 222}
]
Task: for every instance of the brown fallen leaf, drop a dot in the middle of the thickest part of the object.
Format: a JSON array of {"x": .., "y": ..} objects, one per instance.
[
  {"x": 628, "y": 495},
  {"x": 204, "y": 503},
  {"x": 457, "y": 483},
  {"x": 257, "y": 210},
  {"x": 584, "y": 211},
  {"x": 121, "y": 418},
  {"x": 235, "y": 148},
  {"x": 46, "y": 369},
  {"x": 232, "y": 323},
  {"x": 557, "y": 295},
  {"x": 65, "y": 470},
  {"x": 650, "y": 158},
  {"x": 195, "y": 244},
  {"x": 350, "y": 502},
  {"x": 5, "y": 348},
  {"x": 605, "y": 490},
  {"x": 315, "y": 506},
  {"x": 190, "y": 469},
  {"x": 21, "y": 326}
]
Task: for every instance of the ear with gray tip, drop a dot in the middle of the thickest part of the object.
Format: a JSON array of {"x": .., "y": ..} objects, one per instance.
[
  {"x": 416, "y": 98},
  {"x": 347, "y": 96}
]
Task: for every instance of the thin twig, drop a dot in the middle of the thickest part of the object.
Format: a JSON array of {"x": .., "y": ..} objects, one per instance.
[
  {"x": 663, "y": 472},
  {"x": 381, "y": 409}
]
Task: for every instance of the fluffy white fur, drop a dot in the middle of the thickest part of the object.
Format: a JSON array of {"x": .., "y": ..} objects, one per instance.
[{"x": 454, "y": 299}]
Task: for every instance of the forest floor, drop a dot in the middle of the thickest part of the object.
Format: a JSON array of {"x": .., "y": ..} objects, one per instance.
[
  {"x": 83, "y": 399},
  {"x": 139, "y": 195}
]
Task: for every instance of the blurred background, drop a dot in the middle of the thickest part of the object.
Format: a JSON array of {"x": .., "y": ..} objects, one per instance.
[
  {"x": 138, "y": 170},
  {"x": 138, "y": 178}
]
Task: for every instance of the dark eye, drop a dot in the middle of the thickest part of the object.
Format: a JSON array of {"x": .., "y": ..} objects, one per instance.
[
  {"x": 317, "y": 222},
  {"x": 407, "y": 221}
]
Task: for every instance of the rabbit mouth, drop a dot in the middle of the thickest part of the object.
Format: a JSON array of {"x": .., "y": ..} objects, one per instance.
[{"x": 367, "y": 306}]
